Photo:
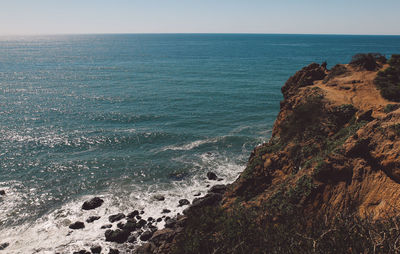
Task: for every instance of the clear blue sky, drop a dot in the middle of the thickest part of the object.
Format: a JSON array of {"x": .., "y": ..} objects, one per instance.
[{"x": 200, "y": 16}]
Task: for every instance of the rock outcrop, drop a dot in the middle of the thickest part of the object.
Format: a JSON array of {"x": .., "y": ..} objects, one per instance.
[{"x": 335, "y": 149}]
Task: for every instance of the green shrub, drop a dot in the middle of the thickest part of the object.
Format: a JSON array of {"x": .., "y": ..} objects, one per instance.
[
  {"x": 304, "y": 116},
  {"x": 369, "y": 62},
  {"x": 391, "y": 107},
  {"x": 395, "y": 61},
  {"x": 388, "y": 81},
  {"x": 396, "y": 128},
  {"x": 243, "y": 231},
  {"x": 336, "y": 71}
]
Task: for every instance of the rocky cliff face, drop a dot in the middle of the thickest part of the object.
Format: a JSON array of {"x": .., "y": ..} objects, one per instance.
[
  {"x": 335, "y": 149},
  {"x": 336, "y": 130}
]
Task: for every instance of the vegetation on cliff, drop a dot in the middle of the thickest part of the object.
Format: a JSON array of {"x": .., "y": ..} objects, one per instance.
[
  {"x": 328, "y": 179},
  {"x": 388, "y": 80}
]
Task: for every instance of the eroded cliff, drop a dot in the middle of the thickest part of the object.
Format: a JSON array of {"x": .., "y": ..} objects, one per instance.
[{"x": 328, "y": 179}]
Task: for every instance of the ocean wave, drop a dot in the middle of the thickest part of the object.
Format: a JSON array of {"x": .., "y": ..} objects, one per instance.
[
  {"x": 191, "y": 145},
  {"x": 50, "y": 233}
]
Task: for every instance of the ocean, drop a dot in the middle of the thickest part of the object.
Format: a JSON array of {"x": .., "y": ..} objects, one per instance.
[{"x": 128, "y": 116}]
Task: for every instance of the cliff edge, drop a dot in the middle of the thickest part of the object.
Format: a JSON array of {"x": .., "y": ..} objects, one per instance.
[{"x": 328, "y": 181}]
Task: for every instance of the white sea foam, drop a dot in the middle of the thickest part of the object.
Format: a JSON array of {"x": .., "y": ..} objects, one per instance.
[
  {"x": 51, "y": 234},
  {"x": 190, "y": 145}
]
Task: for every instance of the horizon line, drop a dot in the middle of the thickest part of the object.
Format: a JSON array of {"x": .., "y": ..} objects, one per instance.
[{"x": 191, "y": 33}]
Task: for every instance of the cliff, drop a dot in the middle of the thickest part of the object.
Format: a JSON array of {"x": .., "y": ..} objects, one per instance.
[{"x": 326, "y": 182}]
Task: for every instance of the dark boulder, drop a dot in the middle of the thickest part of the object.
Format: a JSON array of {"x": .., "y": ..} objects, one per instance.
[
  {"x": 120, "y": 225},
  {"x": 153, "y": 228},
  {"x": 129, "y": 226},
  {"x": 209, "y": 199},
  {"x": 118, "y": 236},
  {"x": 133, "y": 214},
  {"x": 141, "y": 223},
  {"x": 106, "y": 226},
  {"x": 113, "y": 251},
  {"x": 220, "y": 188},
  {"x": 170, "y": 223},
  {"x": 146, "y": 235},
  {"x": 4, "y": 245},
  {"x": 92, "y": 218},
  {"x": 158, "y": 197},
  {"x": 212, "y": 176},
  {"x": 131, "y": 239},
  {"x": 183, "y": 202},
  {"x": 77, "y": 225},
  {"x": 166, "y": 211},
  {"x": 116, "y": 217},
  {"x": 96, "y": 249},
  {"x": 197, "y": 194},
  {"x": 2, "y": 192},
  {"x": 92, "y": 204},
  {"x": 81, "y": 252}
]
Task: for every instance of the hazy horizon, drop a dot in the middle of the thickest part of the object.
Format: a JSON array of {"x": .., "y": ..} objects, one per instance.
[{"x": 351, "y": 17}]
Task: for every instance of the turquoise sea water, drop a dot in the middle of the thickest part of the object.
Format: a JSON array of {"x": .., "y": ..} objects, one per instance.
[{"x": 125, "y": 116}]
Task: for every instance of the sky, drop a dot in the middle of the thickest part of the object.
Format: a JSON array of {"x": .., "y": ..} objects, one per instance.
[{"x": 23, "y": 17}]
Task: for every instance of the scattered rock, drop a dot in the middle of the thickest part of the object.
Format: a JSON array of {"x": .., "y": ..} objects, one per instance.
[
  {"x": 178, "y": 176},
  {"x": 106, "y": 226},
  {"x": 153, "y": 228},
  {"x": 116, "y": 217},
  {"x": 141, "y": 223},
  {"x": 212, "y": 176},
  {"x": 96, "y": 249},
  {"x": 159, "y": 197},
  {"x": 138, "y": 217},
  {"x": 183, "y": 202},
  {"x": 166, "y": 211},
  {"x": 113, "y": 251},
  {"x": 2, "y": 192},
  {"x": 150, "y": 219},
  {"x": 4, "y": 245},
  {"x": 170, "y": 223},
  {"x": 77, "y": 225},
  {"x": 131, "y": 220},
  {"x": 146, "y": 235},
  {"x": 92, "y": 218},
  {"x": 129, "y": 226},
  {"x": 81, "y": 252},
  {"x": 220, "y": 188},
  {"x": 120, "y": 225},
  {"x": 141, "y": 212},
  {"x": 207, "y": 200},
  {"x": 131, "y": 239},
  {"x": 133, "y": 214},
  {"x": 118, "y": 236},
  {"x": 159, "y": 219},
  {"x": 92, "y": 204}
]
